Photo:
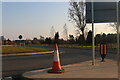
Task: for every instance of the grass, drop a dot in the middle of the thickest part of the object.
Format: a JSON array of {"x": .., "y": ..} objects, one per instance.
[
  {"x": 65, "y": 45},
  {"x": 13, "y": 49}
]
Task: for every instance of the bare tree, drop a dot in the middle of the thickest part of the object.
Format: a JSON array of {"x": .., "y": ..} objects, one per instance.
[
  {"x": 77, "y": 14},
  {"x": 65, "y": 33},
  {"x": 85, "y": 32},
  {"x": 52, "y": 32},
  {"x": 114, "y": 25},
  {"x": 41, "y": 38}
]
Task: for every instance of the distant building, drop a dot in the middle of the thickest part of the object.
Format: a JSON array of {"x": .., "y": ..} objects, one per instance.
[{"x": 20, "y": 42}]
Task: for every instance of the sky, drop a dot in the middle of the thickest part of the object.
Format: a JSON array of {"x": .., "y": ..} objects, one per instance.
[{"x": 32, "y": 19}]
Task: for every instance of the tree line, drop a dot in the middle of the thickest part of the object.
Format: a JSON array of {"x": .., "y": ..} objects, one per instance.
[{"x": 99, "y": 39}]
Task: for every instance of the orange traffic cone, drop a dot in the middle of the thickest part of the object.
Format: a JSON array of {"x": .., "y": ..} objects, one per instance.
[{"x": 56, "y": 68}]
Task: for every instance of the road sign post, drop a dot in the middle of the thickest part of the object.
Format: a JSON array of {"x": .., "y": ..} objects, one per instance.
[
  {"x": 93, "y": 42},
  {"x": 118, "y": 25}
]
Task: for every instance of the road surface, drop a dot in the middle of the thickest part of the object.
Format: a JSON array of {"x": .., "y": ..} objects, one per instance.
[{"x": 17, "y": 65}]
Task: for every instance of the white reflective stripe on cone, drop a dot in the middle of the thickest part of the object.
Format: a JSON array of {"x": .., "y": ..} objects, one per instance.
[{"x": 56, "y": 56}]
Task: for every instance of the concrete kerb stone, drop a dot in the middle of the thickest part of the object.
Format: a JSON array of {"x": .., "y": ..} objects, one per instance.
[
  {"x": 106, "y": 69},
  {"x": 34, "y": 53}
]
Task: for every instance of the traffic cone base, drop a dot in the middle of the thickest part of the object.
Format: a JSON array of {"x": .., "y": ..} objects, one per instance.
[{"x": 56, "y": 71}]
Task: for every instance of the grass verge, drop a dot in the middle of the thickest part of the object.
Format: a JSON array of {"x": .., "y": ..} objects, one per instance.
[{"x": 14, "y": 50}]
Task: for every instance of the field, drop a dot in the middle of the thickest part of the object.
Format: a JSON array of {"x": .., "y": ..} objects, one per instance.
[{"x": 13, "y": 49}]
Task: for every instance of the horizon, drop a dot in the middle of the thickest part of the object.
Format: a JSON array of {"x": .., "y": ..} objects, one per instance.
[{"x": 6, "y": 38}]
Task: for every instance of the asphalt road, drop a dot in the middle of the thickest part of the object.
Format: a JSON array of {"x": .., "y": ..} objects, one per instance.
[{"x": 17, "y": 65}]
